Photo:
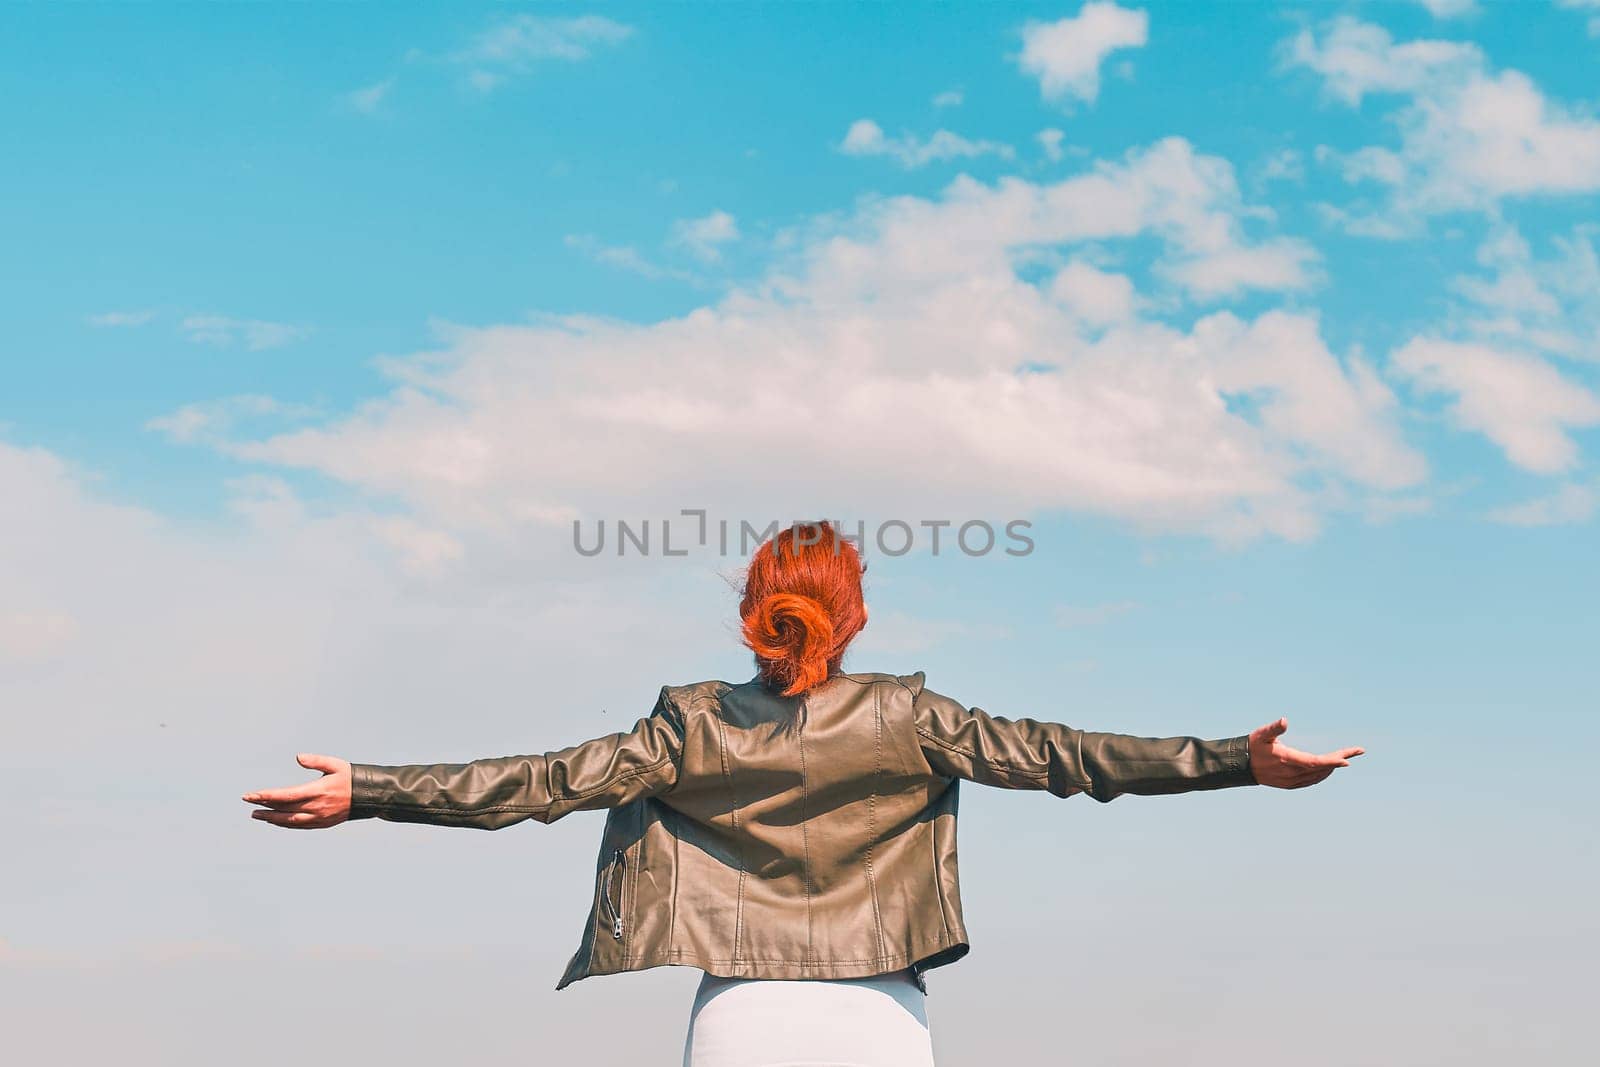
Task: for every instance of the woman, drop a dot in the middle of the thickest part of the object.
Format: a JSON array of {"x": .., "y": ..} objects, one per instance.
[{"x": 793, "y": 836}]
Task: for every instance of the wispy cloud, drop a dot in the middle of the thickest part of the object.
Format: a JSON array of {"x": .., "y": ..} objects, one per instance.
[
  {"x": 866, "y": 138},
  {"x": 897, "y": 632},
  {"x": 1050, "y": 140},
  {"x": 1286, "y": 164},
  {"x": 949, "y": 98},
  {"x": 254, "y": 334},
  {"x": 705, "y": 236},
  {"x": 368, "y": 99},
  {"x": 1094, "y": 614},
  {"x": 1450, "y": 9},
  {"x": 515, "y": 44},
  {"x": 507, "y": 48},
  {"x": 1065, "y": 55},
  {"x": 625, "y": 257},
  {"x": 1548, "y": 304},
  {"x": 1570, "y": 504},
  {"x": 121, "y": 318},
  {"x": 210, "y": 421},
  {"x": 1585, "y": 5}
]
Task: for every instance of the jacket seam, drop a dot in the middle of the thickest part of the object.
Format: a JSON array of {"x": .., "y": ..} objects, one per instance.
[
  {"x": 805, "y": 846},
  {"x": 948, "y": 939},
  {"x": 998, "y": 765},
  {"x": 633, "y": 868},
  {"x": 938, "y": 875},
  {"x": 405, "y": 805},
  {"x": 933, "y": 831},
  {"x": 872, "y": 809},
  {"x": 584, "y": 794},
  {"x": 733, "y": 816}
]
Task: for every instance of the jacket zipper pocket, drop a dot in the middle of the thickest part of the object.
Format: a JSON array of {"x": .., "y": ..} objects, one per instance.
[{"x": 619, "y": 865}]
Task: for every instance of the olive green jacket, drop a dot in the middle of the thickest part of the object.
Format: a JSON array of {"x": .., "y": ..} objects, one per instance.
[{"x": 755, "y": 835}]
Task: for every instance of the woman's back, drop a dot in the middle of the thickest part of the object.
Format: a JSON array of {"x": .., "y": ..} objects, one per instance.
[{"x": 816, "y": 815}]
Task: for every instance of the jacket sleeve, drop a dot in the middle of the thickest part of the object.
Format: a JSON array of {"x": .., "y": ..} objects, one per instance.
[
  {"x": 488, "y": 794},
  {"x": 963, "y": 742}
]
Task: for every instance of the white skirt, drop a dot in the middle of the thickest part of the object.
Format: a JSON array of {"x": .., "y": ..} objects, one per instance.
[{"x": 880, "y": 1021}]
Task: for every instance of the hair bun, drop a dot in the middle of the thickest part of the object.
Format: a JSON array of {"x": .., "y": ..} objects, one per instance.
[{"x": 794, "y": 635}]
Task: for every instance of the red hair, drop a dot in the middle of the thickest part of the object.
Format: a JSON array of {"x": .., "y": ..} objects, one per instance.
[{"x": 802, "y": 605}]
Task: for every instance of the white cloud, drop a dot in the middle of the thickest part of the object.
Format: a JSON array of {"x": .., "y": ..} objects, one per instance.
[
  {"x": 1358, "y": 58},
  {"x": 705, "y": 236},
  {"x": 254, "y": 334},
  {"x": 1339, "y": 417},
  {"x": 866, "y": 138},
  {"x": 368, "y": 99},
  {"x": 1567, "y": 505},
  {"x": 950, "y": 98},
  {"x": 947, "y": 379},
  {"x": 1224, "y": 271},
  {"x": 28, "y": 636},
  {"x": 420, "y": 549},
  {"x": 1468, "y": 136},
  {"x": 1520, "y": 402},
  {"x": 1093, "y": 296},
  {"x": 121, "y": 318},
  {"x": 1066, "y": 55}
]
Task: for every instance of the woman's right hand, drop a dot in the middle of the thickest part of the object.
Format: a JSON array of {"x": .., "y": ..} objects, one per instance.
[
  {"x": 1276, "y": 764},
  {"x": 312, "y": 805}
]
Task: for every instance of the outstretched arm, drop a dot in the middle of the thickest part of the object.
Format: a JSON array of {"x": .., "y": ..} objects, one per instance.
[
  {"x": 487, "y": 794},
  {"x": 963, "y": 742}
]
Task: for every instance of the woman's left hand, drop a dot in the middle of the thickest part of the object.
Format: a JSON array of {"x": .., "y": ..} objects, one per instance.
[{"x": 312, "y": 806}]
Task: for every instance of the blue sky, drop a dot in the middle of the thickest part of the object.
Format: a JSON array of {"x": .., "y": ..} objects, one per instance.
[{"x": 1280, "y": 323}]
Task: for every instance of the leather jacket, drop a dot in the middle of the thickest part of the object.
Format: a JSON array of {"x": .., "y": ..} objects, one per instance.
[{"x": 755, "y": 835}]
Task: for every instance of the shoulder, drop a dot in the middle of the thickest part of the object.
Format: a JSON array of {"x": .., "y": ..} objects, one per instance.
[
  {"x": 687, "y": 698},
  {"x": 911, "y": 682}
]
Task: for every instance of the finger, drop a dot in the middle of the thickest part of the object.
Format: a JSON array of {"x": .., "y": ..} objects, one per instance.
[
  {"x": 276, "y": 818},
  {"x": 314, "y": 762},
  {"x": 1270, "y": 730},
  {"x": 286, "y": 805},
  {"x": 293, "y": 820},
  {"x": 304, "y": 819},
  {"x": 1350, "y": 753},
  {"x": 286, "y": 795},
  {"x": 1297, "y": 758}
]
